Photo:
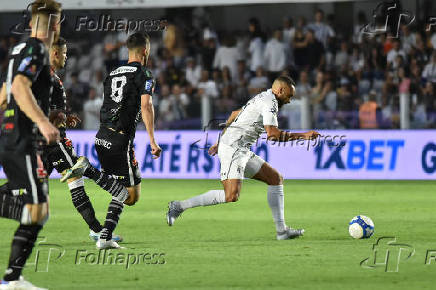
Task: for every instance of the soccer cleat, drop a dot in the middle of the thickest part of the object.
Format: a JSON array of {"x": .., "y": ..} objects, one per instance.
[
  {"x": 104, "y": 244},
  {"x": 174, "y": 211},
  {"x": 289, "y": 233},
  {"x": 95, "y": 236},
  {"x": 18, "y": 284},
  {"x": 77, "y": 170}
]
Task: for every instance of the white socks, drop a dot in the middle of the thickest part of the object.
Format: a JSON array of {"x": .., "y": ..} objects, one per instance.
[
  {"x": 276, "y": 200},
  {"x": 211, "y": 197}
]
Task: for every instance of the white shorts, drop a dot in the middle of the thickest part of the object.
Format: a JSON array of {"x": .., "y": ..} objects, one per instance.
[{"x": 237, "y": 163}]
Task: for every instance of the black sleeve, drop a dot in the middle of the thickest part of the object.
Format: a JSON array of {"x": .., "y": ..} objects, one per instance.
[
  {"x": 2, "y": 78},
  {"x": 31, "y": 61},
  {"x": 145, "y": 83}
]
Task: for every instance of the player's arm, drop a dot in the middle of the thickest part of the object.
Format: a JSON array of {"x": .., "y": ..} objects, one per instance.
[
  {"x": 269, "y": 115},
  {"x": 21, "y": 90},
  {"x": 214, "y": 148},
  {"x": 3, "y": 97},
  {"x": 147, "y": 112},
  {"x": 275, "y": 134}
]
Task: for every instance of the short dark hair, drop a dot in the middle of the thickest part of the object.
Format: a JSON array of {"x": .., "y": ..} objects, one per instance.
[
  {"x": 287, "y": 80},
  {"x": 137, "y": 40},
  {"x": 60, "y": 42}
]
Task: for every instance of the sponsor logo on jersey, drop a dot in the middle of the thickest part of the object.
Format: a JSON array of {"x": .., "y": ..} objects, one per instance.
[
  {"x": 148, "y": 85},
  {"x": 123, "y": 69},
  {"x": 101, "y": 142},
  {"x": 56, "y": 163},
  {"x": 24, "y": 63}
]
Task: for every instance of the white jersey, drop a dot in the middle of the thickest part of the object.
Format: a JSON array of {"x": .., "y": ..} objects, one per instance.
[{"x": 261, "y": 110}]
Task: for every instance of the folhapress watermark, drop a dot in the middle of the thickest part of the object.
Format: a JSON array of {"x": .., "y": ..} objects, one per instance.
[
  {"x": 119, "y": 258},
  {"x": 45, "y": 255},
  {"x": 95, "y": 23}
]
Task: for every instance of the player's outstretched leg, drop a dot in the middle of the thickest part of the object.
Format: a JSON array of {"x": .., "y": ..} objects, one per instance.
[
  {"x": 232, "y": 188},
  {"x": 83, "y": 168},
  {"x": 276, "y": 201}
]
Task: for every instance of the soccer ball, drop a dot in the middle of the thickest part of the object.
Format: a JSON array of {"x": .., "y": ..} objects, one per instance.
[{"x": 361, "y": 227}]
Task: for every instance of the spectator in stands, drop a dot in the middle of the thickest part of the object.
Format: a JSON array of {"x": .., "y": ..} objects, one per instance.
[
  {"x": 314, "y": 51},
  {"x": 208, "y": 51},
  {"x": 91, "y": 111},
  {"x": 174, "y": 42},
  {"x": 429, "y": 73},
  {"x": 225, "y": 103},
  {"x": 275, "y": 56},
  {"x": 179, "y": 102},
  {"x": 288, "y": 33},
  {"x": 408, "y": 38},
  {"x": 227, "y": 55},
  {"x": 357, "y": 31},
  {"x": 321, "y": 30},
  {"x": 193, "y": 72},
  {"x": 241, "y": 91},
  {"x": 368, "y": 113},
  {"x": 166, "y": 113},
  {"x": 256, "y": 45},
  {"x": 299, "y": 49},
  {"x": 258, "y": 83},
  {"x": 206, "y": 86},
  {"x": 342, "y": 56},
  {"x": 79, "y": 93},
  {"x": 395, "y": 51},
  {"x": 429, "y": 101}
]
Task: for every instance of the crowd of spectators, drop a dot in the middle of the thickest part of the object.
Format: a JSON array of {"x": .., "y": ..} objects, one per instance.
[{"x": 339, "y": 75}]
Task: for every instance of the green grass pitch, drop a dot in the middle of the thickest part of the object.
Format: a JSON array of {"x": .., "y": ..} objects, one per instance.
[{"x": 233, "y": 246}]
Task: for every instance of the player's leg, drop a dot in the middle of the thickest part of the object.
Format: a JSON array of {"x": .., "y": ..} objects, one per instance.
[
  {"x": 62, "y": 157},
  {"x": 117, "y": 161},
  {"x": 82, "y": 167},
  {"x": 260, "y": 170},
  {"x": 27, "y": 178},
  {"x": 232, "y": 173}
]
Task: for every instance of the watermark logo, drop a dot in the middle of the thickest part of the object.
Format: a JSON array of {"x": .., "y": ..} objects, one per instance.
[
  {"x": 387, "y": 17},
  {"x": 331, "y": 141},
  {"x": 24, "y": 28},
  {"x": 44, "y": 254},
  {"x": 387, "y": 253},
  {"x": 125, "y": 259},
  {"x": 100, "y": 23}
]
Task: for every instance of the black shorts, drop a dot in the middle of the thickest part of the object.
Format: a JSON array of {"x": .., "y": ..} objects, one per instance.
[
  {"x": 117, "y": 156},
  {"x": 60, "y": 156},
  {"x": 26, "y": 175}
]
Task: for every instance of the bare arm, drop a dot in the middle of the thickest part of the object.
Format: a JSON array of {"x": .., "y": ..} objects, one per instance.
[
  {"x": 230, "y": 120},
  {"x": 21, "y": 89},
  {"x": 147, "y": 111},
  {"x": 3, "y": 97},
  {"x": 276, "y": 134},
  {"x": 214, "y": 148}
]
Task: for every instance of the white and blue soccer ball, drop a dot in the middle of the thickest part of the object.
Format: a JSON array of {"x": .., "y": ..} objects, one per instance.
[{"x": 361, "y": 227}]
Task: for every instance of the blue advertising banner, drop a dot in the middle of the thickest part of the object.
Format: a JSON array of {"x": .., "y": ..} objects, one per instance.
[{"x": 351, "y": 154}]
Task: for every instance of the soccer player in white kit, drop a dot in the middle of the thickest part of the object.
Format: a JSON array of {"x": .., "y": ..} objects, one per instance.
[{"x": 243, "y": 128}]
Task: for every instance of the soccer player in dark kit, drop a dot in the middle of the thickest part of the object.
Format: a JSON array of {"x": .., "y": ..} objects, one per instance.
[
  {"x": 127, "y": 99},
  {"x": 62, "y": 156},
  {"x": 26, "y": 94}
]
